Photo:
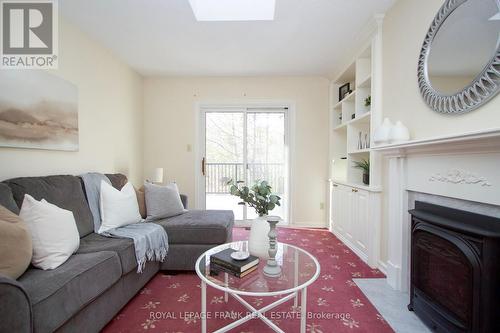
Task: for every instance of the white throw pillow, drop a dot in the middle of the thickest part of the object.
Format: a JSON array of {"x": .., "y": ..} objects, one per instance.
[
  {"x": 118, "y": 208},
  {"x": 53, "y": 231}
]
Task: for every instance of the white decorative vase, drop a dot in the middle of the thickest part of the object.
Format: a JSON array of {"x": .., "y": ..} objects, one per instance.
[
  {"x": 399, "y": 133},
  {"x": 258, "y": 242},
  {"x": 383, "y": 132}
]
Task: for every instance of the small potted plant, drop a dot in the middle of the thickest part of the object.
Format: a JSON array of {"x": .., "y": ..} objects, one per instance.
[
  {"x": 365, "y": 166},
  {"x": 260, "y": 198},
  {"x": 368, "y": 102}
]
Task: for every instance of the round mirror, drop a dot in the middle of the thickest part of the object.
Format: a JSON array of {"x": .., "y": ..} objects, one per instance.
[{"x": 459, "y": 64}]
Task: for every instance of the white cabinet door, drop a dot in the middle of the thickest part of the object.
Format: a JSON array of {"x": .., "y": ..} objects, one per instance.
[
  {"x": 361, "y": 220},
  {"x": 354, "y": 219},
  {"x": 336, "y": 204},
  {"x": 350, "y": 220},
  {"x": 350, "y": 210}
]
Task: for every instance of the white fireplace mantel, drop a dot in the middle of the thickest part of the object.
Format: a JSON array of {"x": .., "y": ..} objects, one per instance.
[
  {"x": 463, "y": 167},
  {"x": 485, "y": 140}
]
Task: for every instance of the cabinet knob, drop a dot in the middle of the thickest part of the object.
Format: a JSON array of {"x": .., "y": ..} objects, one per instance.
[
  {"x": 335, "y": 185},
  {"x": 354, "y": 190}
]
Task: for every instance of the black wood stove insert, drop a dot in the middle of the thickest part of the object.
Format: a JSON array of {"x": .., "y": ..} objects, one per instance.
[{"x": 455, "y": 269}]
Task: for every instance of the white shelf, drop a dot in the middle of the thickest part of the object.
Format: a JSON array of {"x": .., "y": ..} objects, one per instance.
[
  {"x": 470, "y": 140},
  {"x": 350, "y": 97},
  {"x": 363, "y": 119},
  {"x": 360, "y": 186},
  {"x": 342, "y": 126},
  {"x": 338, "y": 106},
  {"x": 366, "y": 82},
  {"x": 360, "y": 151}
]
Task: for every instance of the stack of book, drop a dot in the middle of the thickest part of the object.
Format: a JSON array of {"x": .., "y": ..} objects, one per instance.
[{"x": 222, "y": 262}]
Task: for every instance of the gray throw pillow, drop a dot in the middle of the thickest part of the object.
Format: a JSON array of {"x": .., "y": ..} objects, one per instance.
[
  {"x": 7, "y": 199},
  {"x": 162, "y": 201}
]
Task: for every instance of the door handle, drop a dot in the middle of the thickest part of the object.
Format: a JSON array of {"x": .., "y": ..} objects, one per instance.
[{"x": 203, "y": 171}]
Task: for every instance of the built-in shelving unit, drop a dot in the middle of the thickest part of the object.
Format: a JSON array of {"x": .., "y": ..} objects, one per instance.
[
  {"x": 352, "y": 120},
  {"x": 355, "y": 207}
]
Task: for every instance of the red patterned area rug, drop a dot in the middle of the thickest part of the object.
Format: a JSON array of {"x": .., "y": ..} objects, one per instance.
[{"x": 171, "y": 303}]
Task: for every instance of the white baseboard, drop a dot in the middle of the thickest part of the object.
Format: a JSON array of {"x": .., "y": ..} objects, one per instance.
[
  {"x": 394, "y": 276},
  {"x": 382, "y": 266},
  {"x": 353, "y": 248},
  {"x": 308, "y": 224},
  {"x": 321, "y": 225}
]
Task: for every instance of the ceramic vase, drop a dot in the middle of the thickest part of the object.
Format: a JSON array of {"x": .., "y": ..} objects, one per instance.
[
  {"x": 399, "y": 133},
  {"x": 382, "y": 133},
  {"x": 258, "y": 242}
]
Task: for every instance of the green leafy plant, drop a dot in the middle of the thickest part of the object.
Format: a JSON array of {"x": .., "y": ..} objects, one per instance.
[
  {"x": 363, "y": 165},
  {"x": 259, "y": 196},
  {"x": 368, "y": 101}
]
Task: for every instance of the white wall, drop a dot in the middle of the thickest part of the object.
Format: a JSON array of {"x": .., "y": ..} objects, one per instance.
[
  {"x": 405, "y": 26},
  {"x": 110, "y": 115},
  {"x": 169, "y": 118}
]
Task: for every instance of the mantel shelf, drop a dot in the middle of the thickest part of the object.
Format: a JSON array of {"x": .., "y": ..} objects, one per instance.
[{"x": 477, "y": 140}]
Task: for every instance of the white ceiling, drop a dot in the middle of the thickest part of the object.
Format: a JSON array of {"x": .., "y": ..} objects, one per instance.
[{"x": 162, "y": 37}]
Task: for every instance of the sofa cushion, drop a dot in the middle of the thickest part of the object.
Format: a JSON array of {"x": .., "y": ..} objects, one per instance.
[
  {"x": 7, "y": 199},
  {"x": 63, "y": 191},
  {"x": 117, "y": 180},
  {"x": 57, "y": 295},
  {"x": 124, "y": 247},
  {"x": 199, "y": 227}
]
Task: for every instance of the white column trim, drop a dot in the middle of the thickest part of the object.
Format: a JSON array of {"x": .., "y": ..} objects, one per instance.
[{"x": 397, "y": 263}]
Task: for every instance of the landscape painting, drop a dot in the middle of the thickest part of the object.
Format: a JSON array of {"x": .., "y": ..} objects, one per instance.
[{"x": 37, "y": 110}]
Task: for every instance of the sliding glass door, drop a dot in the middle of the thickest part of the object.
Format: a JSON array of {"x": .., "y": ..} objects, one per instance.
[{"x": 248, "y": 145}]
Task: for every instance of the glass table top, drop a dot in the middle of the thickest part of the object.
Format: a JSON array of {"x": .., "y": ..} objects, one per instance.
[{"x": 298, "y": 270}]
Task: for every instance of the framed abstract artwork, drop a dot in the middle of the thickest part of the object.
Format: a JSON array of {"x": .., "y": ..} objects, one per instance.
[{"x": 38, "y": 110}]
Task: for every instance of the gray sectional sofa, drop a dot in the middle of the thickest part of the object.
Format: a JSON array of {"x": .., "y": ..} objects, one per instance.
[{"x": 89, "y": 289}]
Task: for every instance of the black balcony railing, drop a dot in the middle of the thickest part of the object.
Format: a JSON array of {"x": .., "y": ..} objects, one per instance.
[{"x": 218, "y": 174}]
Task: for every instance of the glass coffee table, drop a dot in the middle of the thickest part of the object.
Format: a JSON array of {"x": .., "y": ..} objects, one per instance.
[{"x": 299, "y": 270}]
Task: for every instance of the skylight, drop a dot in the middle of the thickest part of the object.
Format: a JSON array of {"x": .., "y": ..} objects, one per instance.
[{"x": 233, "y": 10}]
